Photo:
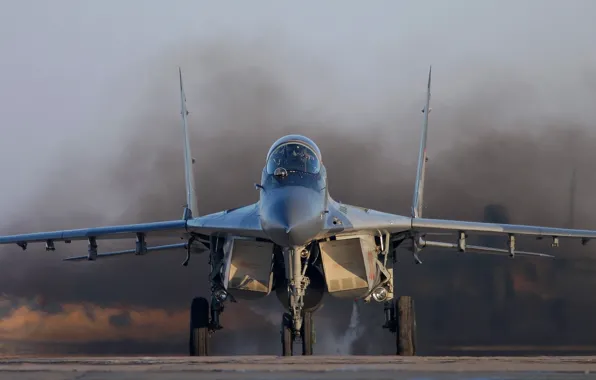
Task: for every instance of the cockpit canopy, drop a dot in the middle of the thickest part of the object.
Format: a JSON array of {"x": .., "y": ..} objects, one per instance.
[{"x": 294, "y": 156}]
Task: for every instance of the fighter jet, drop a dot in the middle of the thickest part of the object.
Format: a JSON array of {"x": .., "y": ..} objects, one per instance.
[{"x": 298, "y": 241}]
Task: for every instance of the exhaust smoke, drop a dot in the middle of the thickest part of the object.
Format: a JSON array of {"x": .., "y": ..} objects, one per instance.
[{"x": 343, "y": 344}]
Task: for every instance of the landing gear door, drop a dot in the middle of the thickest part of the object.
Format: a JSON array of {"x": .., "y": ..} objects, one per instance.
[
  {"x": 345, "y": 270},
  {"x": 247, "y": 270}
]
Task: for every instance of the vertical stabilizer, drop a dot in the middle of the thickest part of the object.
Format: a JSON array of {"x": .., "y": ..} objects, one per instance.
[
  {"x": 417, "y": 202},
  {"x": 572, "y": 192},
  {"x": 190, "y": 210}
]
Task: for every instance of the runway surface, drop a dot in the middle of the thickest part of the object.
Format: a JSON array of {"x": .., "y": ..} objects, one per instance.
[{"x": 298, "y": 367}]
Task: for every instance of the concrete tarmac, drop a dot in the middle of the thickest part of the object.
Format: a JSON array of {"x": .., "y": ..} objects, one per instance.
[{"x": 299, "y": 367}]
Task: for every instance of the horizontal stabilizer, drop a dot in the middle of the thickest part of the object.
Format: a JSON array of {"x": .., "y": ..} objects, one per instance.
[
  {"x": 481, "y": 249},
  {"x": 130, "y": 251}
]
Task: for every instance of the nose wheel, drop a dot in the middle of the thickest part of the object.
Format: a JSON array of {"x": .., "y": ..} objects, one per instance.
[
  {"x": 307, "y": 334},
  {"x": 289, "y": 337}
]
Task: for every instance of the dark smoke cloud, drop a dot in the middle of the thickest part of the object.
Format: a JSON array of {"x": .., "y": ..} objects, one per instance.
[{"x": 242, "y": 98}]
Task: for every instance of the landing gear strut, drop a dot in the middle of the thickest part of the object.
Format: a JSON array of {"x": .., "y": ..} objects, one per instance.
[
  {"x": 204, "y": 318},
  {"x": 298, "y": 284},
  {"x": 297, "y": 324}
]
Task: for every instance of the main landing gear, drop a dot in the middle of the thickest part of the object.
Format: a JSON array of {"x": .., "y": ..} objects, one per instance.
[
  {"x": 204, "y": 321},
  {"x": 301, "y": 296},
  {"x": 204, "y": 315},
  {"x": 400, "y": 318},
  {"x": 199, "y": 327},
  {"x": 297, "y": 322}
]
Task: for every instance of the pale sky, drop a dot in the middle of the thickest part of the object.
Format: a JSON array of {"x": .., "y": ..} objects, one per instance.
[{"x": 75, "y": 71}]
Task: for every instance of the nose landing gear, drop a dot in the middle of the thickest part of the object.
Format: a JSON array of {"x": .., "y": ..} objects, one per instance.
[
  {"x": 297, "y": 323},
  {"x": 289, "y": 337}
]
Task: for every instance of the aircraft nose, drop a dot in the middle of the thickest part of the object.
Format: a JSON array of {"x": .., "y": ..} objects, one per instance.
[{"x": 292, "y": 216}]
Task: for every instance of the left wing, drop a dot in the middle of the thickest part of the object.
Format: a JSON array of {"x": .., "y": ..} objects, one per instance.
[
  {"x": 347, "y": 219},
  {"x": 421, "y": 227},
  {"x": 424, "y": 224}
]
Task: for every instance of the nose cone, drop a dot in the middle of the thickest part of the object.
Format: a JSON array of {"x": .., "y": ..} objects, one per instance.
[{"x": 291, "y": 216}]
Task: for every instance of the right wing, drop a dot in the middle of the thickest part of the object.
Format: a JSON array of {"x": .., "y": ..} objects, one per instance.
[
  {"x": 242, "y": 221},
  {"x": 127, "y": 231}
]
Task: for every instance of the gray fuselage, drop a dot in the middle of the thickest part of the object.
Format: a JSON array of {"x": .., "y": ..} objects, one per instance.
[{"x": 293, "y": 200}]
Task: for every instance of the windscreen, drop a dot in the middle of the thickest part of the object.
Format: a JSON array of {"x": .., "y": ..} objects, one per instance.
[{"x": 294, "y": 157}]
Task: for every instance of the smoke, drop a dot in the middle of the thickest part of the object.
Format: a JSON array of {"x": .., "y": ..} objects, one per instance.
[
  {"x": 342, "y": 344},
  {"x": 241, "y": 98},
  {"x": 329, "y": 339}
]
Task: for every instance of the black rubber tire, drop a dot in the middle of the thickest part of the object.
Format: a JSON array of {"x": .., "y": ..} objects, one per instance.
[
  {"x": 199, "y": 327},
  {"x": 405, "y": 315},
  {"x": 307, "y": 334},
  {"x": 287, "y": 338}
]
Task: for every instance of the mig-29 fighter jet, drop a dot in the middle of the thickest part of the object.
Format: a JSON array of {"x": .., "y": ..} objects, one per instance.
[{"x": 299, "y": 242}]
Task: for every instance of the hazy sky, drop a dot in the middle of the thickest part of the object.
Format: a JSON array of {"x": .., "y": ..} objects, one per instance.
[{"x": 74, "y": 71}]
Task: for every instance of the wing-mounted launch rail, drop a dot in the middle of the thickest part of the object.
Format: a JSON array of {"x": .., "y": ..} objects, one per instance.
[
  {"x": 141, "y": 248},
  {"x": 419, "y": 242},
  {"x": 193, "y": 245}
]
